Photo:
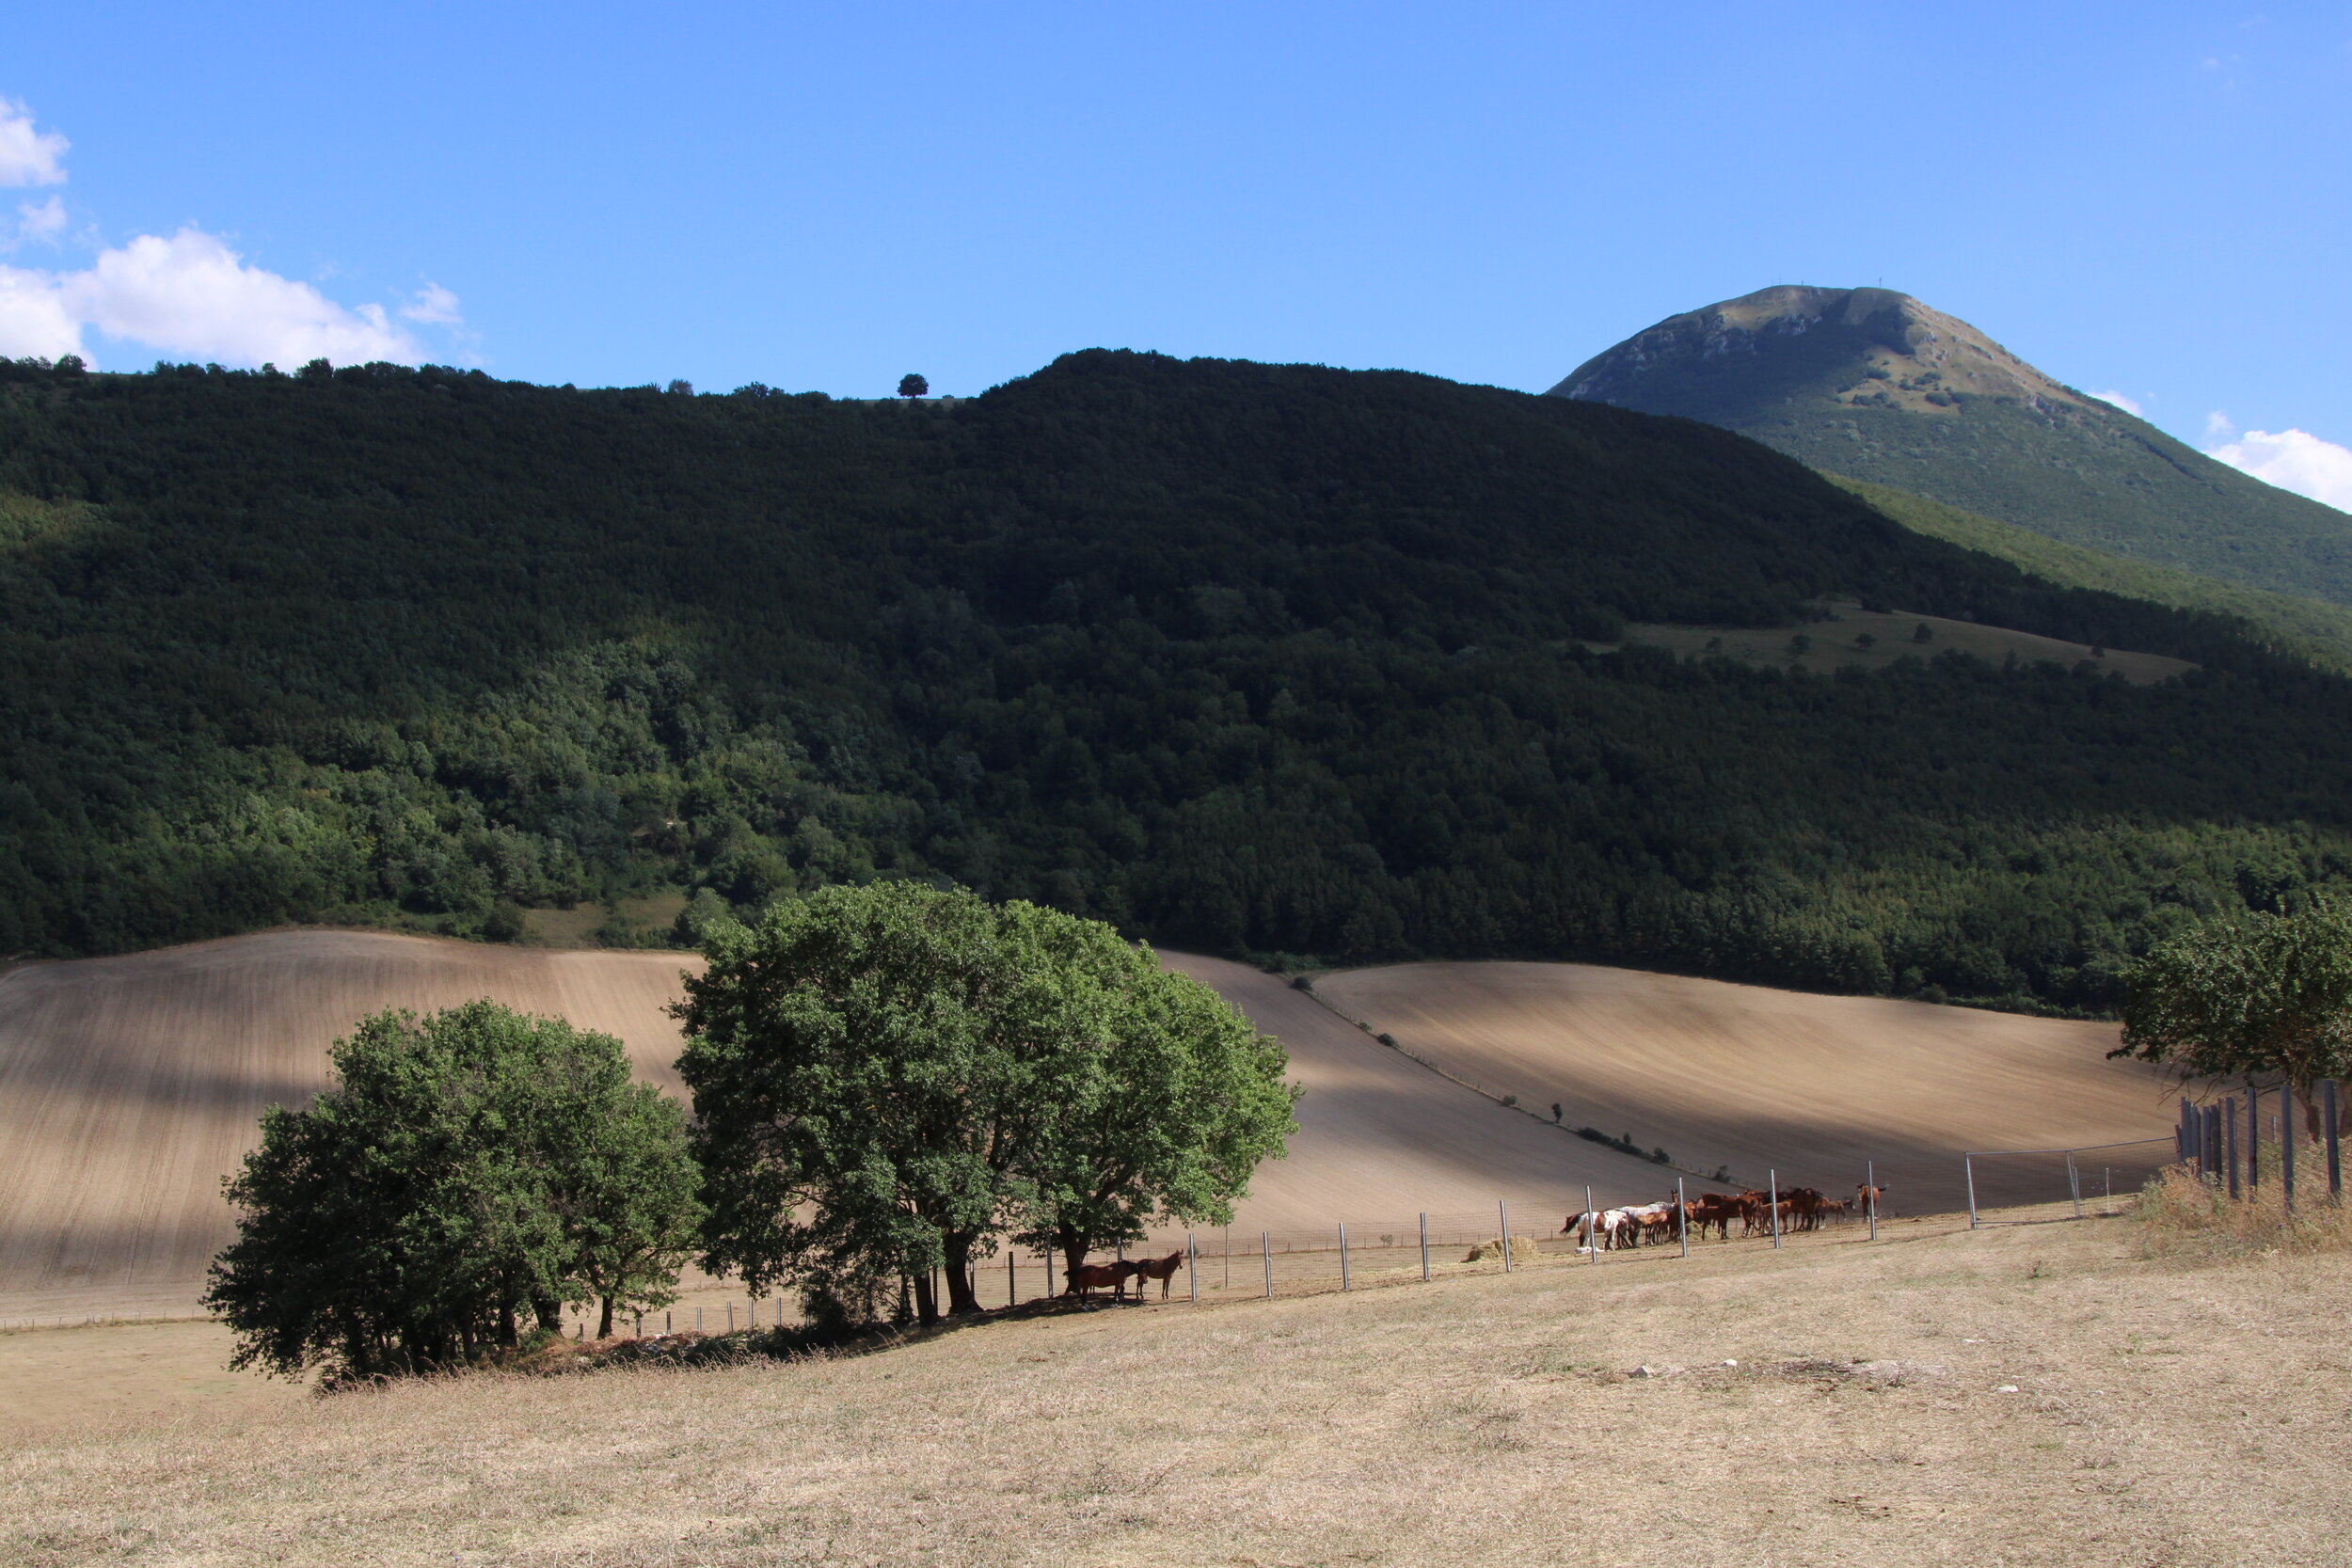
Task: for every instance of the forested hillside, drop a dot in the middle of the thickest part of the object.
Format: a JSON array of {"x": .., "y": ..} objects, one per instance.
[{"x": 1261, "y": 658}]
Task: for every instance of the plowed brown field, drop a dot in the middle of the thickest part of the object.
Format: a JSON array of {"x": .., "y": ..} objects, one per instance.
[
  {"x": 1756, "y": 1079},
  {"x": 130, "y": 1085}
]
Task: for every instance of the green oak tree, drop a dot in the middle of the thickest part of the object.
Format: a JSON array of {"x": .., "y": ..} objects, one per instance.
[
  {"x": 1183, "y": 1100},
  {"x": 628, "y": 1198},
  {"x": 889, "y": 1078},
  {"x": 463, "y": 1169},
  {"x": 2264, "y": 993}
]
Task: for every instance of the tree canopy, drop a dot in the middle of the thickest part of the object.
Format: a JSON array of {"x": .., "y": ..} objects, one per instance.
[
  {"x": 2260, "y": 994},
  {"x": 888, "y": 1079},
  {"x": 913, "y": 387},
  {"x": 463, "y": 1170}
]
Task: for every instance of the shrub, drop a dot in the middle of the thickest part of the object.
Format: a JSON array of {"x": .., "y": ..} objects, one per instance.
[
  {"x": 505, "y": 922},
  {"x": 2179, "y": 1212}
]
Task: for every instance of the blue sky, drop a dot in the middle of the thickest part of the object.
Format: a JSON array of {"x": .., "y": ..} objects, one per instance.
[{"x": 2148, "y": 199}]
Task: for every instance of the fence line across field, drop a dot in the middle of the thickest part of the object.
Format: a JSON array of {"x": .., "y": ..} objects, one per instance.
[
  {"x": 2208, "y": 1139},
  {"x": 2068, "y": 1176},
  {"x": 1228, "y": 1264}
]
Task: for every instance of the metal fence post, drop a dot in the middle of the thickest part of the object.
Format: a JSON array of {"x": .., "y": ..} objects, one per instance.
[
  {"x": 1592, "y": 1225},
  {"x": 2073, "y": 1184},
  {"x": 1192, "y": 1267},
  {"x": 2286, "y": 1144},
  {"x": 2335, "y": 1155},
  {"x": 1343, "y": 1284},
  {"x": 2253, "y": 1138},
  {"x": 2229, "y": 1141},
  {"x": 1773, "y": 1178},
  {"x": 1425, "y": 1245},
  {"x": 1502, "y": 1216},
  {"x": 1870, "y": 1195},
  {"x": 1969, "y": 1164},
  {"x": 1682, "y": 1217},
  {"x": 1265, "y": 1246}
]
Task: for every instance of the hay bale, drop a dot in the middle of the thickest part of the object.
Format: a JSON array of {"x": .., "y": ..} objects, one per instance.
[{"x": 1488, "y": 1252}]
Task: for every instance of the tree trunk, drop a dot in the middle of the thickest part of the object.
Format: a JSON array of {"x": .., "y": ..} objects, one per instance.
[
  {"x": 604, "y": 1321},
  {"x": 506, "y": 1325},
  {"x": 550, "y": 1312},
  {"x": 2308, "y": 1089},
  {"x": 926, "y": 1300},
  {"x": 961, "y": 1298},
  {"x": 1073, "y": 1251}
]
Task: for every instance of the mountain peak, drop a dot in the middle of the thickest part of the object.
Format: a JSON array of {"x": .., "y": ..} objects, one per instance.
[
  {"x": 1860, "y": 347},
  {"x": 1873, "y": 383}
]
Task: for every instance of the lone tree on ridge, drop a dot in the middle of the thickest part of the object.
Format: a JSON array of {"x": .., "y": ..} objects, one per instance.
[{"x": 913, "y": 387}]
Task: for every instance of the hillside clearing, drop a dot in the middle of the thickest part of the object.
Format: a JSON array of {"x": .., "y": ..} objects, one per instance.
[
  {"x": 1836, "y": 639},
  {"x": 1954, "y": 1398}
]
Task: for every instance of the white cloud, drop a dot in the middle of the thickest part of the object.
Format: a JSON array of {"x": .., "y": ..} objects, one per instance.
[
  {"x": 2219, "y": 427},
  {"x": 28, "y": 157},
  {"x": 38, "y": 220},
  {"x": 33, "y": 319},
  {"x": 188, "y": 295},
  {"x": 191, "y": 295},
  {"x": 435, "y": 304},
  {"x": 2119, "y": 401},
  {"x": 2293, "y": 460}
]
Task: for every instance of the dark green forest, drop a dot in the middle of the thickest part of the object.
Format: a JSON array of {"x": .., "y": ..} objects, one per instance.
[{"x": 1271, "y": 660}]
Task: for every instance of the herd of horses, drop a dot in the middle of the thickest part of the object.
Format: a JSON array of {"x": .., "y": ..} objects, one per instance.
[
  {"x": 1759, "y": 1214},
  {"x": 1798, "y": 1209},
  {"x": 1086, "y": 1279}
]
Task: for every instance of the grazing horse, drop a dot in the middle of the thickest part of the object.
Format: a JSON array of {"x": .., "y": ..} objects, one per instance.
[
  {"x": 1602, "y": 1232},
  {"x": 1161, "y": 1269},
  {"x": 1086, "y": 1279},
  {"x": 1871, "y": 1200},
  {"x": 1715, "y": 1208}
]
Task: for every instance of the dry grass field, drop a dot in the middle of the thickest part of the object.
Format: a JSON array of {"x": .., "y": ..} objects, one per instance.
[
  {"x": 129, "y": 1086},
  {"x": 2040, "y": 1395},
  {"x": 1836, "y": 640},
  {"x": 1758, "y": 1079}
]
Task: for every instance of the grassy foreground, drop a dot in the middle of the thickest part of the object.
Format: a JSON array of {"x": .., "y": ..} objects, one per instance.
[{"x": 2044, "y": 1393}]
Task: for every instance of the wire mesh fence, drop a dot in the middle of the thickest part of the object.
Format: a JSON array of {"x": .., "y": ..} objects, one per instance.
[{"x": 2070, "y": 1183}]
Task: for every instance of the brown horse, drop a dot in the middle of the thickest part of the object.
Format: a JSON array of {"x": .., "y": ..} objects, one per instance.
[
  {"x": 1161, "y": 1269},
  {"x": 1086, "y": 1279}
]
